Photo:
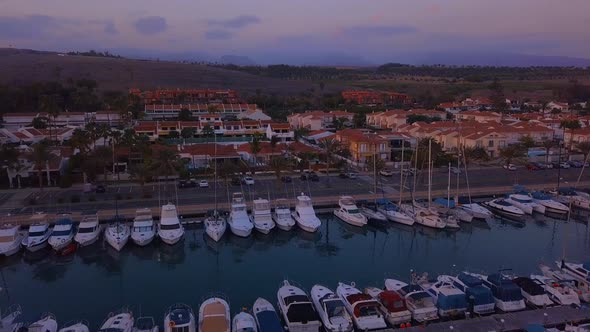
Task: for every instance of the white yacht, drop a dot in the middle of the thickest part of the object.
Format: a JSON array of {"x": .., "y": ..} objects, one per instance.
[
  {"x": 533, "y": 291},
  {"x": 75, "y": 327},
  {"x": 562, "y": 292},
  {"x": 47, "y": 323},
  {"x": 362, "y": 307},
  {"x": 10, "y": 239},
  {"x": 393, "y": 306},
  {"x": 63, "y": 233},
  {"x": 261, "y": 216},
  {"x": 393, "y": 212},
  {"x": 239, "y": 222},
  {"x": 117, "y": 234},
  {"x": 143, "y": 230},
  {"x": 121, "y": 322},
  {"x": 451, "y": 221},
  {"x": 331, "y": 310},
  {"x": 214, "y": 316},
  {"x": 244, "y": 322},
  {"x": 582, "y": 285},
  {"x": 297, "y": 310},
  {"x": 266, "y": 316},
  {"x": 576, "y": 269},
  {"x": 571, "y": 197},
  {"x": 503, "y": 208},
  {"x": 89, "y": 230},
  {"x": 305, "y": 215},
  {"x": 507, "y": 294},
  {"x": 170, "y": 229},
  {"x": 282, "y": 215},
  {"x": 551, "y": 205},
  {"x": 39, "y": 233},
  {"x": 11, "y": 319},
  {"x": 525, "y": 203},
  {"x": 423, "y": 215},
  {"x": 180, "y": 317},
  {"x": 146, "y": 324},
  {"x": 215, "y": 226},
  {"x": 420, "y": 303},
  {"x": 348, "y": 212}
]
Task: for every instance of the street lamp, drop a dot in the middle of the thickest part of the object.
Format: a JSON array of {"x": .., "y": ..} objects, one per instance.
[{"x": 560, "y": 143}]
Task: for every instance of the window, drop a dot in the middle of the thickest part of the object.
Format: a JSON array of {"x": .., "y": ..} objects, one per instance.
[
  {"x": 363, "y": 147},
  {"x": 478, "y": 144},
  {"x": 491, "y": 143}
]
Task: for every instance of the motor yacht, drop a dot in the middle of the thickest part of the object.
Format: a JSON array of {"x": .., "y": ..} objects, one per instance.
[
  {"x": 533, "y": 291},
  {"x": 420, "y": 303},
  {"x": 363, "y": 309},
  {"x": 571, "y": 197},
  {"x": 393, "y": 212},
  {"x": 39, "y": 233},
  {"x": 244, "y": 322},
  {"x": 562, "y": 292},
  {"x": 170, "y": 229},
  {"x": 372, "y": 214},
  {"x": 10, "y": 239},
  {"x": 297, "y": 310},
  {"x": 393, "y": 306},
  {"x": 474, "y": 209},
  {"x": 180, "y": 318},
  {"x": 348, "y": 212},
  {"x": 75, "y": 327},
  {"x": 117, "y": 234},
  {"x": 504, "y": 209},
  {"x": 215, "y": 225},
  {"x": 582, "y": 285},
  {"x": 507, "y": 294},
  {"x": 267, "y": 319},
  {"x": 11, "y": 319},
  {"x": 238, "y": 221},
  {"x": 143, "y": 230},
  {"x": 525, "y": 203},
  {"x": 480, "y": 298},
  {"x": 261, "y": 216},
  {"x": 576, "y": 269},
  {"x": 214, "y": 316},
  {"x": 331, "y": 309},
  {"x": 89, "y": 230},
  {"x": 146, "y": 324},
  {"x": 450, "y": 300},
  {"x": 305, "y": 215},
  {"x": 120, "y": 322},
  {"x": 63, "y": 233},
  {"x": 47, "y": 323},
  {"x": 551, "y": 205},
  {"x": 282, "y": 215}
]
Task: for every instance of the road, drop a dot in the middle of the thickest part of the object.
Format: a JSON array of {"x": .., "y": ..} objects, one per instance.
[{"x": 130, "y": 196}]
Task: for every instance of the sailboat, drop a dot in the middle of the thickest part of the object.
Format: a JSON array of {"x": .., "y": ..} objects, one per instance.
[
  {"x": 448, "y": 208},
  {"x": 215, "y": 224},
  {"x": 474, "y": 209},
  {"x": 369, "y": 212}
]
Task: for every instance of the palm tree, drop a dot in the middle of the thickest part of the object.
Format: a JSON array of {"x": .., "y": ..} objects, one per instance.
[
  {"x": 166, "y": 163},
  {"x": 547, "y": 145},
  {"x": 255, "y": 147},
  {"x": 277, "y": 165},
  {"x": 48, "y": 104},
  {"x": 330, "y": 146},
  {"x": 511, "y": 152},
  {"x": 142, "y": 173},
  {"x": 208, "y": 131},
  {"x": 584, "y": 147},
  {"x": 226, "y": 169},
  {"x": 40, "y": 157},
  {"x": 81, "y": 140},
  {"x": 572, "y": 125},
  {"x": 8, "y": 158},
  {"x": 101, "y": 156}
]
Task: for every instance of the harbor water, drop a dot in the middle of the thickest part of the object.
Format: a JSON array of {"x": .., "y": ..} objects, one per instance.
[{"x": 97, "y": 280}]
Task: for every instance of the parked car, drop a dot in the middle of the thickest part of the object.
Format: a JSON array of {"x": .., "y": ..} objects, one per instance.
[
  {"x": 409, "y": 171},
  {"x": 248, "y": 180},
  {"x": 386, "y": 172},
  {"x": 349, "y": 175},
  {"x": 576, "y": 164},
  {"x": 100, "y": 189},
  {"x": 564, "y": 165},
  {"x": 203, "y": 184},
  {"x": 540, "y": 165},
  {"x": 183, "y": 184},
  {"x": 549, "y": 166},
  {"x": 286, "y": 179},
  {"x": 510, "y": 167},
  {"x": 235, "y": 181},
  {"x": 455, "y": 170},
  {"x": 532, "y": 167},
  {"x": 311, "y": 176}
]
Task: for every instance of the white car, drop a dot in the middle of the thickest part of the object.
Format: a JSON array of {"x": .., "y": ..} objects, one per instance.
[
  {"x": 564, "y": 165},
  {"x": 203, "y": 184},
  {"x": 455, "y": 170},
  {"x": 386, "y": 172},
  {"x": 510, "y": 167},
  {"x": 248, "y": 180}
]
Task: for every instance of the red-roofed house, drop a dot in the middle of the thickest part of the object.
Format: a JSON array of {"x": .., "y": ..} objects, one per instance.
[
  {"x": 362, "y": 97},
  {"x": 363, "y": 146},
  {"x": 316, "y": 120},
  {"x": 280, "y": 130}
]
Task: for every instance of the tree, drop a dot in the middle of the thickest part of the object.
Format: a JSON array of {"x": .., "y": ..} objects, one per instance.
[
  {"x": 141, "y": 173},
  {"x": 547, "y": 145},
  {"x": 511, "y": 152},
  {"x": 274, "y": 140},
  {"x": 40, "y": 157},
  {"x": 185, "y": 115},
  {"x": 584, "y": 147},
  {"x": 39, "y": 122},
  {"x": 497, "y": 97},
  {"x": 477, "y": 153},
  {"x": 359, "y": 119},
  {"x": 572, "y": 125},
  {"x": 226, "y": 169},
  {"x": 187, "y": 132},
  {"x": 329, "y": 146},
  {"x": 167, "y": 163},
  {"x": 81, "y": 141},
  {"x": 301, "y": 132},
  {"x": 8, "y": 159},
  {"x": 49, "y": 105},
  {"x": 255, "y": 147},
  {"x": 527, "y": 141},
  {"x": 208, "y": 131},
  {"x": 102, "y": 156},
  {"x": 173, "y": 134},
  {"x": 277, "y": 165}
]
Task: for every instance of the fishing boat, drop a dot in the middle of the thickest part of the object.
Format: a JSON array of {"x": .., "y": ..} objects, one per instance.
[
  {"x": 571, "y": 197},
  {"x": 267, "y": 319},
  {"x": 11, "y": 319},
  {"x": 146, "y": 324},
  {"x": 525, "y": 203},
  {"x": 143, "y": 230},
  {"x": 215, "y": 225},
  {"x": 89, "y": 230},
  {"x": 506, "y": 293},
  {"x": 551, "y": 205},
  {"x": 47, "y": 323},
  {"x": 282, "y": 215},
  {"x": 39, "y": 233},
  {"x": 480, "y": 298},
  {"x": 331, "y": 309},
  {"x": 238, "y": 221},
  {"x": 504, "y": 209},
  {"x": 533, "y": 291},
  {"x": 120, "y": 322},
  {"x": 363, "y": 309},
  {"x": 582, "y": 285},
  {"x": 261, "y": 216},
  {"x": 393, "y": 306},
  {"x": 179, "y": 318},
  {"x": 423, "y": 215},
  {"x": 63, "y": 233},
  {"x": 214, "y": 316},
  {"x": 10, "y": 239},
  {"x": 305, "y": 215},
  {"x": 562, "y": 292},
  {"x": 393, "y": 212},
  {"x": 244, "y": 322},
  {"x": 420, "y": 303},
  {"x": 117, "y": 234},
  {"x": 170, "y": 230},
  {"x": 349, "y": 213},
  {"x": 297, "y": 310},
  {"x": 75, "y": 327}
]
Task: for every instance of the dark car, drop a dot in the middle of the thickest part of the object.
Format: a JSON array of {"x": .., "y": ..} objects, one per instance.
[
  {"x": 236, "y": 181},
  {"x": 576, "y": 164},
  {"x": 286, "y": 179},
  {"x": 312, "y": 176},
  {"x": 532, "y": 167},
  {"x": 540, "y": 165},
  {"x": 100, "y": 189}
]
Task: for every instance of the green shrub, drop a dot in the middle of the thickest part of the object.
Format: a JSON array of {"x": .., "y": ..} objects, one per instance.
[{"x": 75, "y": 199}]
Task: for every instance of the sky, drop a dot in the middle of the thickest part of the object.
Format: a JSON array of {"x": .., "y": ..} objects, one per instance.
[{"x": 275, "y": 31}]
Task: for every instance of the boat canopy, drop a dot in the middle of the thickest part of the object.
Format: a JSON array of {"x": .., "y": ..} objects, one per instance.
[
  {"x": 353, "y": 298},
  {"x": 541, "y": 196},
  {"x": 451, "y": 301},
  {"x": 411, "y": 288},
  {"x": 295, "y": 298},
  {"x": 464, "y": 200},
  {"x": 502, "y": 202},
  {"x": 369, "y": 308},
  {"x": 469, "y": 280},
  {"x": 504, "y": 289},
  {"x": 145, "y": 324},
  {"x": 529, "y": 286},
  {"x": 586, "y": 266},
  {"x": 269, "y": 321},
  {"x": 180, "y": 315},
  {"x": 480, "y": 295},
  {"x": 566, "y": 191},
  {"x": 392, "y": 301},
  {"x": 301, "y": 312},
  {"x": 445, "y": 202}
]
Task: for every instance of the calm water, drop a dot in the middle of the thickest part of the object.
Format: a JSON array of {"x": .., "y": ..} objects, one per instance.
[{"x": 98, "y": 280}]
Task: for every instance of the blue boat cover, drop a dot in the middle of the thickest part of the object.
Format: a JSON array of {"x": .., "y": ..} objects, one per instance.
[
  {"x": 468, "y": 280},
  {"x": 445, "y": 202},
  {"x": 541, "y": 195},
  {"x": 64, "y": 221},
  {"x": 586, "y": 265},
  {"x": 383, "y": 201},
  {"x": 535, "y": 328},
  {"x": 269, "y": 321},
  {"x": 451, "y": 302},
  {"x": 504, "y": 289},
  {"x": 481, "y": 295},
  {"x": 566, "y": 191},
  {"x": 464, "y": 200}
]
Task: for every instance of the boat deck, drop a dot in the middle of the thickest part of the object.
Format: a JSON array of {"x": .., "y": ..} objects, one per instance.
[{"x": 517, "y": 321}]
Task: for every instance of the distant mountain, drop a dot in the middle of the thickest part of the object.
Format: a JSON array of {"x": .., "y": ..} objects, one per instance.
[
  {"x": 498, "y": 59},
  {"x": 238, "y": 60}
]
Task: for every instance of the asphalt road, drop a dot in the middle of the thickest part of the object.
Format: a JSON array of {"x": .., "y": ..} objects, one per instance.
[{"x": 131, "y": 195}]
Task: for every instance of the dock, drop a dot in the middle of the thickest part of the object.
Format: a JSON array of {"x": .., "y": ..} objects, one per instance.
[{"x": 507, "y": 322}]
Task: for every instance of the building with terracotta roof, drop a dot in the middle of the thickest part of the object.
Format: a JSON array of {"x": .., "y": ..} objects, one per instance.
[
  {"x": 393, "y": 119},
  {"x": 170, "y": 96},
  {"x": 282, "y": 131},
  {"x": 469, "y": 104},
  {"x": 168, "y": 111},
  {"x": 364, "y": 97},
  {"x": 316, "y": 120},
  {"x": 479, "y": 116},
  {"x": 363, "y": 146}
]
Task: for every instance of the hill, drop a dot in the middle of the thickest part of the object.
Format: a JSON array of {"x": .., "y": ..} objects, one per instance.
[{"x": 26, "y": 66}]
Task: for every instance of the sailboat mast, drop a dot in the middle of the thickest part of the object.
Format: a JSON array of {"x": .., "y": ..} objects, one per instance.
[
  {"x": 375, "y": 171},
  {"x": 449, "y": 188},
  {"x": 401, "y": 174},
  {"x": 215, "y": 169},
  {"x": 429, "y": 170},
  {"x": 458, "y": 174}
]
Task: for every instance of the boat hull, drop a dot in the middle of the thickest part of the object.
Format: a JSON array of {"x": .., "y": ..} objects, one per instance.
[
  {"x": 11, "y": 249},
  {"x": 171, "y": 240},
  {"x": 509, "y": 306},
  {"x": 351, "y": 221},
  {"x": 87, "y": 241},
  {"x": 308, "y": 227},
  {"x": 143, "y": 239},
  {"x": 58, "y": 245},
  {"x": 284, "y": 224},
  {"x": 241, "y": 232},
  {"x": 117, "y": 244},
  {"x": 37, "y": 246}
]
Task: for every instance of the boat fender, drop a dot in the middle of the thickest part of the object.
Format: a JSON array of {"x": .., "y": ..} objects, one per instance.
[{"x": 353, "y": 284}]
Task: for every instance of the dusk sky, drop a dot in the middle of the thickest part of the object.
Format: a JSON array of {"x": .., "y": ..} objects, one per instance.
[{"x": 268, "y": 30}]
